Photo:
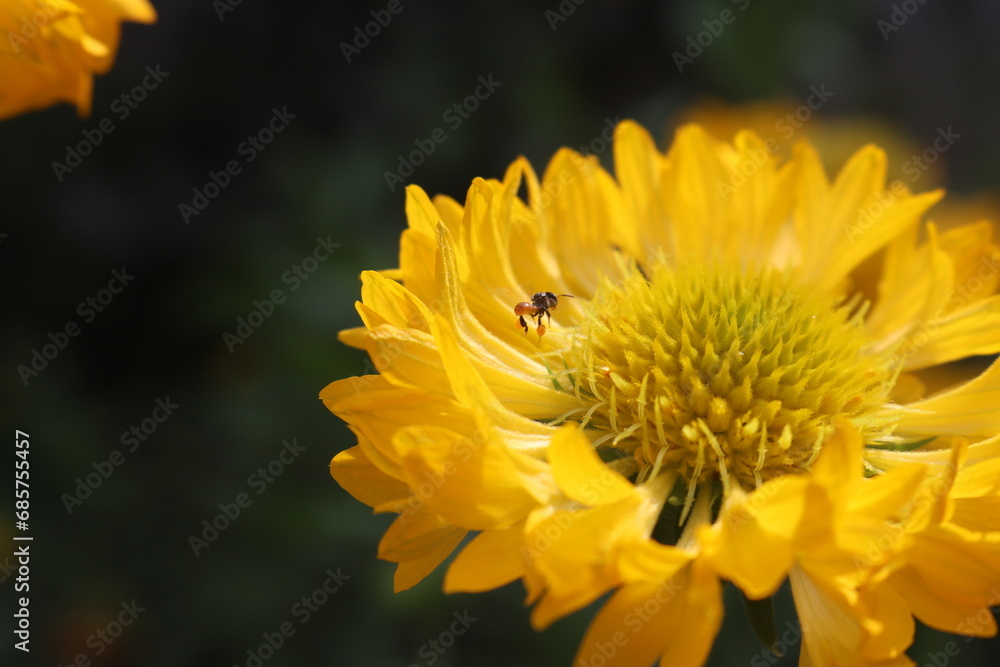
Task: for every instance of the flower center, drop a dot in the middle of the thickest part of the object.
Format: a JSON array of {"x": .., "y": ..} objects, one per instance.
[{"x": 725, "y": 375}]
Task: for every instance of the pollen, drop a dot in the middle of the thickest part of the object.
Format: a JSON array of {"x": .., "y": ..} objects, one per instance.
[{"x": 726, "y": 376}]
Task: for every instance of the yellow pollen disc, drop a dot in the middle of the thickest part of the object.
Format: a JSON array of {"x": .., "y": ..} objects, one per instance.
[{"x": 724, "y": 375}]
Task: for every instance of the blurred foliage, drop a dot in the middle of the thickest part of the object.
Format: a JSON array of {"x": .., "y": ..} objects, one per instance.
[{"x": 324, "y": 176}]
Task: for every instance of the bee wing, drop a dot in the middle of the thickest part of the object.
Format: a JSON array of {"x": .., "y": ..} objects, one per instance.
[{"x": 509, "y": 296}]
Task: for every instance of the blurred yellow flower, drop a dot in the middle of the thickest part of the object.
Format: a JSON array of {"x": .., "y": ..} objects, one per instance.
[
  {"x": 727, "y": 397},
  {"x": 51, "y": 49},
  {"x": 783, "y": 122}
]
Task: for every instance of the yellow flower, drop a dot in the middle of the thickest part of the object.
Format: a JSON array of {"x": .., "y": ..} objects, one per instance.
[
  {"x": 728, "y": 396},
  {"x": 51, "y": 49}
]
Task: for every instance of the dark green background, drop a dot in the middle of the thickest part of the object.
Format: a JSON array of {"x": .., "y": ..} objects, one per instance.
[{"x": 324, "y": 176}]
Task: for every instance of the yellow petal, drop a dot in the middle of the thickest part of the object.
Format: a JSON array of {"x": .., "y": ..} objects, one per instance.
[
  {"x": 698, "y": 612},
  {"x": 905, "y": 211},
  {"x": 493, "y": 558},
  {"x": 938, "y": 611},
  {"x": 393, "y": 303},
  {"x": 646, "y": 560},
  {"x": 931, "y": 504},
  {"x": 753, "y": 541},
  {"x": 450, "y": 212},
  {"x": 473, "y": 483},
  {"x": 470, "y": 388},
  {"x": 975, "y": 496},
  {"x": 976, "y": 258},
  {"x": 914, "y": 288},
  {"x": 831, "y": 633},
  {"x": 976, "y": 481},
  {"x": 978, "y": 514},
  {"x": 759, "y": 204},
  {"x": 638, "y": 168},
  {"x": 580, "y": 473},
  {"x": 839, "y": 464},
  {"x": 486, "y": 339},
  {"x": 888, "y": 624},
  {"x": 983, "y": 450},
  {"x": 485, "y": 240},
  {"x": 809, "y": 214},
  {"x": 412, "y": 572},
  {"x": 352, "y": 387},
  {"x": 880, "y": 497},
  {"x": 421, "y": 213},
  {"x": 970, "y": 409},
  {"x": 827, "y": 212},
  {"x": 959, "y": 572},
  {"x": 624, "y": 634},
  {"x": 419, "y": 541},
  {"x": 695, "y": 203},
  {"x": 413, "y": 535},
  {"x": 674, "y": 620},
  {"x": 376, "y": 410},
  {"x": 416, "y": 264},
  {"x": 139, "y": 11},
  {"x": 358, "y": 475},
  {"x": 52, "y": 50},
  {"x": 575, "y": 554},
  {"x": 408, "y": 358},
  {"x": 840, "y": 225},
  {"x": 968, "y": 331},
  {"x": 530, "y": 260},
  {"x": 581, "y": 197},
  {"x": 355, "y": 337}
]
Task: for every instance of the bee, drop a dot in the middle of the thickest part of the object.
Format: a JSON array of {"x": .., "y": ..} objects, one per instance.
[{"x": 541, "y": 304}]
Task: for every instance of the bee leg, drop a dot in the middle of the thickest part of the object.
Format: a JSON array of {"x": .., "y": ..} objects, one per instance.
[
  {"x": 540, "y": 330},
  {"x": 523, "y": 324}
]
